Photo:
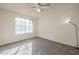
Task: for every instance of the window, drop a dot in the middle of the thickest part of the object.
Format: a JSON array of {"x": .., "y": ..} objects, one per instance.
[{"x": 23, "y": 26}]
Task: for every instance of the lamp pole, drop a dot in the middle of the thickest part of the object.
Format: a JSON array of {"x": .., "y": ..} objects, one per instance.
[{"x": 76, "y": 34}]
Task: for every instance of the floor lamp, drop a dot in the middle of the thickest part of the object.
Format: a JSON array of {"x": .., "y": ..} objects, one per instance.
[{"x": 69, "y": 21}]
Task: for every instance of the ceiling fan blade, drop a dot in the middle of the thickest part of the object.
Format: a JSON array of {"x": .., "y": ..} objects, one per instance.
[
  {"x": 40, "y": 6},
  {"x": 44, "y": 4}
]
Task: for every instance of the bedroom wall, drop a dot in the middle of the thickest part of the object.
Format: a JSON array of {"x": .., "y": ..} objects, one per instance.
[
  {"x": 7, "y": 27},
  {"x": 52, "y": 26}
]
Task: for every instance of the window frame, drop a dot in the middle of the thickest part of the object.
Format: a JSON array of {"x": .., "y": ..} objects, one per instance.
[{"x": 29, "y": 27}]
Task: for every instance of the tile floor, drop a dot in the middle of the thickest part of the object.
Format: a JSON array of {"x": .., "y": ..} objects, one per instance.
[{"x": 37, "y": 46}]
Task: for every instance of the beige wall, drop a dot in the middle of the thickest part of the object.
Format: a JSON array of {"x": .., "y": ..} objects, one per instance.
[
  {"x": 7, "y": 27},
  {"x": 51, "y": 24}
]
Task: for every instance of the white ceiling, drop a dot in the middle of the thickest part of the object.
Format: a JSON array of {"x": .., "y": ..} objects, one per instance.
[{"x": 26, "y": 8}]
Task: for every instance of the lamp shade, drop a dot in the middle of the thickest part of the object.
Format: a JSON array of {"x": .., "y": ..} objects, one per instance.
[{"x": 68, "y": 20}]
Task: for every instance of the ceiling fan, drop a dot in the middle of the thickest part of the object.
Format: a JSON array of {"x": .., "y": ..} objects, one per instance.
[{"x": 40, "y": 6}]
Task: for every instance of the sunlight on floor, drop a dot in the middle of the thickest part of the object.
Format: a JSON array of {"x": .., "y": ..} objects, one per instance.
[{"x": 25, "y": 49}]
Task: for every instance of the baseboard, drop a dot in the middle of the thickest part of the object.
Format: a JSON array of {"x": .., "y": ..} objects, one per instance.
[
  {"x": 37, "y": 37},
  {"x": 17, "y": 41},
  {"x": 57, "y": 42}
]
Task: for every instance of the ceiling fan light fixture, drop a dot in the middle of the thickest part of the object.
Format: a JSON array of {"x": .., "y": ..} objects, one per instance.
[
  {"x": 41, "y": 6},
  {"x": 38, "y": 10}
]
